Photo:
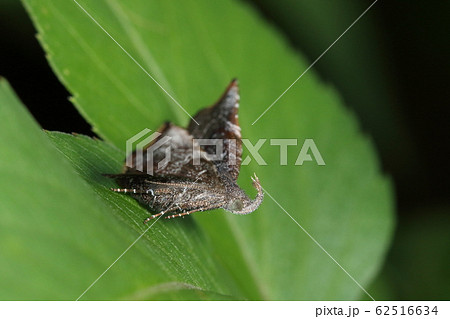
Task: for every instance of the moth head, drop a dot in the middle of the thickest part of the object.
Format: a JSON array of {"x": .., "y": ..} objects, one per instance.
[{"x": 242, "y": 205}]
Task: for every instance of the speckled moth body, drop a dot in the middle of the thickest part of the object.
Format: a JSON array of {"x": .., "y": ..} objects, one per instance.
[{"x": 183, "y": 187}]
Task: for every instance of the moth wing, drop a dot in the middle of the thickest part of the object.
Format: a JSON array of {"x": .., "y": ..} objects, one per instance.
[
  {"x": 170, "y": 157},
  {"x": 140, "y": 182},
  {"x": 220, "y": 121}
]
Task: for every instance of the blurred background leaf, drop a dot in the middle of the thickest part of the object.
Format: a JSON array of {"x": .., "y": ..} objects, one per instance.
[
  {"x": 419, "y": 258},
  {"x": 356, "y": 65}
]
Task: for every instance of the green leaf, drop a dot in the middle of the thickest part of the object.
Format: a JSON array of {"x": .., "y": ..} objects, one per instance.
[
  {"x": 357, "y": 64},
  {"x": 59, "y": 232},
  {"x": 194, "y": 48}
]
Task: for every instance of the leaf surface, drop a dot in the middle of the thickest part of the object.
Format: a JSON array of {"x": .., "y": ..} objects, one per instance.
[
  {"x": 193, "y": 49},
  {"x": 61, "y": 227}
]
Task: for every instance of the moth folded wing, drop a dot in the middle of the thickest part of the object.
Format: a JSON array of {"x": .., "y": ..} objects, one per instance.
[
  {"x": 130, "y": 183},
  {"x": 170, "y": 156},
  {"x": 154, "y": 145},
  {"x": 220, "y": 122},
  {"x": 145, "y": 189}
]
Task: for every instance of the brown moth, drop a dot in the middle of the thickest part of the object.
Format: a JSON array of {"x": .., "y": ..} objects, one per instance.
[{"x": 183, "y": 187}]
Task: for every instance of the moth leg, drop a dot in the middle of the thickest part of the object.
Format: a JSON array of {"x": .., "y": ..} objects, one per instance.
[
  {"x": 159, "y": 214},
  {"x": 189, "y": 212},
  {"x": 152, "y": 217},
  {"x": 132, "y": 191}
]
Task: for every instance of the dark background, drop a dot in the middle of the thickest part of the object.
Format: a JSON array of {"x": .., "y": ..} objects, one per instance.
[{"x": 402, "y": 47}]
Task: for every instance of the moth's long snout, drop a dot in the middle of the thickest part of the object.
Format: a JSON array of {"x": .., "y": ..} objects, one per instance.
[
  {"x": 252, "y": 205},
  {"x": 260, "y": 196}
]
